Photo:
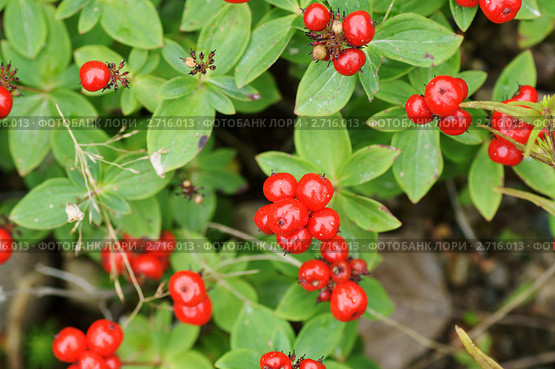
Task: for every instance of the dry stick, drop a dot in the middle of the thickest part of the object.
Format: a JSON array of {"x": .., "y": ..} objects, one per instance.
[
  {"x": 531, "y": 361},
  {"x": 388, "y": 10}
]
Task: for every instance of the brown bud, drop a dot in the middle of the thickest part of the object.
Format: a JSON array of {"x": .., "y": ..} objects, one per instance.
[
  {"x": 337, "y": 27},
  {"x": 190, "y": 62},
  {"x": 320, "y": 52}
]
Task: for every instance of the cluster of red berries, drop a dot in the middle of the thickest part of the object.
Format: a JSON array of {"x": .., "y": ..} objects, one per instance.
[
  {"x": 441, "y": 99},
  {"x": 95, "y": 350},
  {"x": 6, "y": 245},
  {"x": 337, "y": 38},
  {"x": 192, "y": 304},
  {"x": 501, "y": 150},
  {"x": 336, "y": 276},
  {"x": 298, "y": 211},
  {"x": 278, "y": 360},
  {"x": 96, "y": 75},
  {"x": 148, "y": 258},
  {"x": 497, "y": 11}
]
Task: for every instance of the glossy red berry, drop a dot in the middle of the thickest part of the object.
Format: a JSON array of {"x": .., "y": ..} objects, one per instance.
[
  {"x": 500, "y": 11},
  {"x": 199, "y": 314},
  {"x": 512, "y": 127},
  {"x": 504, "y": 152},
  {"x": 148, "y": 266},
  {"x": 324, "y": 295},
  {"x": 335, "y": 250},
  {"x": 358, "y": 267},
  {"x": 280, "y": 186},
  {"x": 6, "y": 245},
  {"x": 69, "y": 345},
  {"x": 324, "y": 224},
  {"x": 288, "y": 215},
  {"x": 112, "y": 259},
  {"x": 296, "y": 242},
  {"x": 348, "y": 301},
  {"x": 94, "y": 75},
  {"x": 467, "y": 3},
  {"x": 443, "y": 95},
  {"x": 350, "y": 62},
  {"x": 112, "y": 362},
  {"x": 164, "y": 246},
  {"x": 187, "y": 288},
  {"x": 91, "y": 360},
  {"x": 6, "y": 102},
  {"x": 73, "y": 366},
  {"x": 275, "y": 360},
  {"x": 464, "y": 87},
  {"x": 359, "y": 28},
  {"x": 340, "y": 271},
  {"x": 316, "y": 17},
  {"x": 526, "y": 93},
  {"x": 315, "y": 191},
  {"x": 104, "y": 337},
  {"x": 417, "y": 110},
  {"x": 237, "y": 1},
  {"x": 261, "y": 219},
  {"x": 314, "y": 275},
  {"x": 456, "y": 123},
  {"x": 311, "y": 364}
]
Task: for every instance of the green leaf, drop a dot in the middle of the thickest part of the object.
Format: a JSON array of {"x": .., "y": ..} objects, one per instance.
[
  {"x": 366, "y": 164},
  {"x": 25, "y": 26},
  {"x": 146, "y": 89},
  {"x": 474, "y": 79},
  {"x": 528, "y": 10},
  {"x": 89, "y": 17},
  {"x": 277, "y": 162},
  {"x": 27, "y": 69},
  {"x": 463, "y": 16},
  {"x": 132, "y": 22},
  {"x": 420, "y": 77},
  {"x": 95, "y": 52},
  {"x": 378, "y": 300},
  {"x": 178, "y": 87},
  {"x": 297, "y": 304},
  {"x": 189, "y": 360},
  {"x": 137, "y": 58},
  {"x": 322, "y": 91},
  {"x": 532, "y": 32},
  {"x": 172, "y": 52},
  {"x": 336, "y": 141},
  {"x": 390, "y": 120},
  {"x": 144, "y": 220},
  {"x": 238, "y": 359},
  {"x": 254, "y": 328},
  {"x": 291, "y": 5},
  {"x": 319, "y": 336},
  {"x": 229, "y": 45},
  {"x": 366, "y": 213},
  {"x": 44, "y": 207},
  {"x": 179, "y": 146},
  {"x": 226, "y": 305},
  {"x": 420, "y": 163},
  {"x": 369, "y": 77},
  {"x": 192, "y": 216},
  {"x": 269, "y": 95},
  {"x": 229, "y": 87},
  {"x": 197, "y": 13},
  {"x": 520, "y": 71},
  {"x": 219, "y": 101},
  {"x": 56, "y": 54},
  {"x": 396, "y": 92},
  {"x": 181, "y": 339},
  {"x": 484, "y": 176},
  {"x": 542, "y": 202},
  {"x": 265, "y": 46},
  {"x": 129, "y": 101},
  {"x": 417, "y": 6},
  {"x": 67, "y": 8},
  {"x": 415, "y": 40},
  {"x": 537, "y": 176},
  {"x": 114, "y": 202},
  {"x": 349, "y": 6}
]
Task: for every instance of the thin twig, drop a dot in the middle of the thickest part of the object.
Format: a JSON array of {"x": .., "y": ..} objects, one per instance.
[{"x": 531, "y": 361}]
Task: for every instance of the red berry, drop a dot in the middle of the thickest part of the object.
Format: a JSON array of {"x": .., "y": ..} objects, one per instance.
[
  {"x": 94, "y": 75},
  {"x": 315, "y": 191},
  {"x": 464, "y": 87},
  {"x": 311, "y": 364},
  {"x": 350, "y": 62},
  {"x": 340, "y": 271},
  {"x": 512, "y": 127},
  {"x": 187, "y": 288},
  {"x": 296, "y": 242},
  {"x": 275, "y": 360},
  {"x": 467, "y": 3},
  {"x": 526, "y": 93},
  {"x": 324, "y": 224},
  {"x": 316, "y": 17},
  {"x": 359, "y": 28},
  {"x": 325, "y": 295},
  {"x": 500, "y": 11},
  {"x": 504, "y": 152},
  {"x": 237, "y": 1},
  {"x": 443, "y": 95},
  {"x": 148, "y": 266},
  {"x": 69, "y": 344},
  {"x": 6, "y": 102},
  {"x": 261, "y": 219},
  {"x": 163, "y": 247},
  {"x": 199, "y": 314},
  {"x": 335, "y": 250},
  {"x": 358, "y": 267},
  {"x": 287, "y": 216},
  {"x": 456, "y": 123},
  {"x": 104, "y": 337},
  {"x": 417, "y": 110},
  {"x": 348, "y": 301},
  {"x": 112, "y": 362},
  {"x": 314, "y": 275},
  {"x": 280, "y": 186},
  {"x": 6, "y": 245},
  {"x": 112, "y": 259},
  {"x": 74, "y": 366},
  {"x": 91, "y": 360}
]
